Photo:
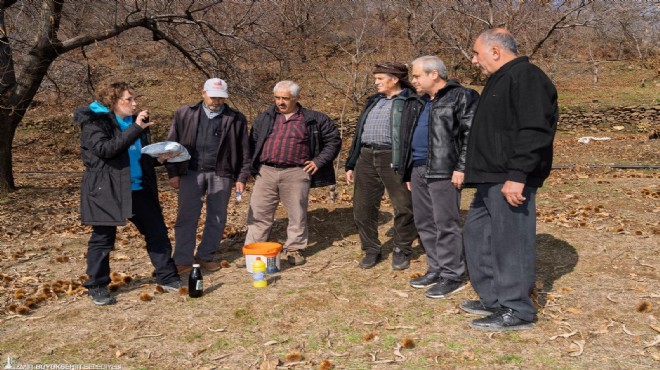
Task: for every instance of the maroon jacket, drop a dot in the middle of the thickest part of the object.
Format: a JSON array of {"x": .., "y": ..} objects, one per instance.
[{"x": 234, "y": 155}]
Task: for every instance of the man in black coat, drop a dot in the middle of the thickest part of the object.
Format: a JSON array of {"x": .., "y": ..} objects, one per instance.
[{"x": 509, "y": 155}]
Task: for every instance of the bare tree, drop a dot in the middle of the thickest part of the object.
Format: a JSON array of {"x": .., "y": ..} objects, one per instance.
[{"x": 33, "y": 35}]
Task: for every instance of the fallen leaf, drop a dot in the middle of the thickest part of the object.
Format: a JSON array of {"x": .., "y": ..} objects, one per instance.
[
  {"x": 399, "y": 293},
  {"x": 271, "y": 364},
  {"x": 397, "y": 353},
  {"x": 625, "y": 330},
  {"x": 201, "y": 350},
  {"x": 653, "y": 343},
  {"x": 578, "y": 348},
  {"x": 565, "y": 335}
]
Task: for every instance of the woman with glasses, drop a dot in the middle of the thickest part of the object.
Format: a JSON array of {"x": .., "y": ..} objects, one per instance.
[{"x": 119, "y": 183}]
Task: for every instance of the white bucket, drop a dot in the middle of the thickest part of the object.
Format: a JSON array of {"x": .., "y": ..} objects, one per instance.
[{"x": 267, "y": 252}]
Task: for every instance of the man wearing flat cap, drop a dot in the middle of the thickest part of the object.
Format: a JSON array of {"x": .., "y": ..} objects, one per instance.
[
  {"x": 217, "y": 139},
  {"x": 372, "y": 163}
]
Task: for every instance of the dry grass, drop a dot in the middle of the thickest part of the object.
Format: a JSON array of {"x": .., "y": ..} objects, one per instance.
[{"x": 597, "y": 288}]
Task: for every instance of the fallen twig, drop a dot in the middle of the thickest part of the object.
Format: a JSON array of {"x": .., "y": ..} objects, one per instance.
[
  {"x": 338, "y": 265},
  {"x": 340, "y": 298},
  {"x": 290, "y": 365},
  {"x": 148, "y": 336},
  {"x": 216, "y": 330},
  {"x": 400, "y": 327}
]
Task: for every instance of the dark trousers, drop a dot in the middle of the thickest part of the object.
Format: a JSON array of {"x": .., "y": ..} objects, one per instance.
[
  {"x": 373, "y": 175},
  {"x": 148, "y": 219},
  {"x": 500, "y": 249},
  {"x": 436, "y": 204}
]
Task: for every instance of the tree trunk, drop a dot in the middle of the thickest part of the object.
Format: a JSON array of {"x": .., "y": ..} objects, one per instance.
[{"x": 8, "y": 126}]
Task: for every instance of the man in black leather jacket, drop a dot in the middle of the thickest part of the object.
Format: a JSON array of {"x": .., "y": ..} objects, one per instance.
[{"x": 434, "y": 134}]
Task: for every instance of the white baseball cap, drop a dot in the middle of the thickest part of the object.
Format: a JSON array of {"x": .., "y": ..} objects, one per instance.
[{"x": 216, "y": 88}]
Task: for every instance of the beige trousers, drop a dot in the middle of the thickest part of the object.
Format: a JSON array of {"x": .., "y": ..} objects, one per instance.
[{"x": 273, "y": 185}]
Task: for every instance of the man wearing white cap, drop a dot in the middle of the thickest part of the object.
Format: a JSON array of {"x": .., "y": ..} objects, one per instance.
[{"x": 216, "y": 137}]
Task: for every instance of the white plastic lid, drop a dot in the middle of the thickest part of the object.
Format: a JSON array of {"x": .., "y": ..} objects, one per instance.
[{"x": 196, "y": 265}]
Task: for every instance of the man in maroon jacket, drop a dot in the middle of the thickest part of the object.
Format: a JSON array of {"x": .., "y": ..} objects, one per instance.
[
  {"x": 216, "y": 137},
  {"x": 293, "y": 150}
]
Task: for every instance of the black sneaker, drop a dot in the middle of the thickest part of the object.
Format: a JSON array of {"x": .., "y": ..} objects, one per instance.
[
  {"x": 400, "y": 261},
  {"x": 173, "y": 286},
  {"x": 426, "y": 280},
  {"x": 445, "y": 287},
  {"x": 100, "y": 295},
  {"x": 501, "y": 320},
  {"x": 369, "y": 261},
  {"x": 476, "y": 307}
]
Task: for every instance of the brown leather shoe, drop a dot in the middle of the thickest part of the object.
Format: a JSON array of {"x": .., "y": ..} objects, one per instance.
[
  {"x": 240, "y": 262},
  {"x": 209, "y": 265},
  {"x": 295, "y": 258},
  {"x": 182, "y": 269}
]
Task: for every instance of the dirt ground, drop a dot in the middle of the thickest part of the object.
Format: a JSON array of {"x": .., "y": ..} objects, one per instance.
[{"x": 598, "y": 284}]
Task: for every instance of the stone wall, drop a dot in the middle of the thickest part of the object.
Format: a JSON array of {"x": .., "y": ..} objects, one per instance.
[{"x": 633, "y": 118}]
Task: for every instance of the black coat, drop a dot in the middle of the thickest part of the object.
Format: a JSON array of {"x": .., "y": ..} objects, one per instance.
[
  {"x": 514, "y": 127},
  {"x": 450, "y": 120},
  {"x": 324, "y": 144},
  {"x": 105, "y": 191},
  {"x": 233, "y": 154}
]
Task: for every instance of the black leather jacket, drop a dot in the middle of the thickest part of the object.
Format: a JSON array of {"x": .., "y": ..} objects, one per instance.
[{"x": 450, "y": 119}]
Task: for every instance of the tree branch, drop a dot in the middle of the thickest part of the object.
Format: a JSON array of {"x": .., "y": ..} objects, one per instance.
[{"x": 556, "y": 26}]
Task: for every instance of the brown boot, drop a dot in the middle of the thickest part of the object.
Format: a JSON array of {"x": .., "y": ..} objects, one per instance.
[{"x": 210, "y": 265}]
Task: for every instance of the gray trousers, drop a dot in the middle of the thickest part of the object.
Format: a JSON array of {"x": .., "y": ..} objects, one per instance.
[
  {"x": 192, "y": 188},
  {"x": 272, "y": 185},
  {"x": 500, "y": 249},
  {"x": 436, "y": 204},
  {"x": 373, "y": 175}
]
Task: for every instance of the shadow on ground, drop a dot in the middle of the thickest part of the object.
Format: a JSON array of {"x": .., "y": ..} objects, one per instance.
[{"x": 554, "y": 259}]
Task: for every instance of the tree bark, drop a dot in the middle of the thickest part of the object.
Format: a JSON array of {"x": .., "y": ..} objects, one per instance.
[{"x": 17, "y": 90}]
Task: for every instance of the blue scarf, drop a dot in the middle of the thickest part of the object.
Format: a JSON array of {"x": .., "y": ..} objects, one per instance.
[{"x": 134, "y": 151}]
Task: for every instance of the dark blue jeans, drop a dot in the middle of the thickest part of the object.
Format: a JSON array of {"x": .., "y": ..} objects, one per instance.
[
  {"x": 148, "y": 218},
  {"x": 500, "y": 249}
]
